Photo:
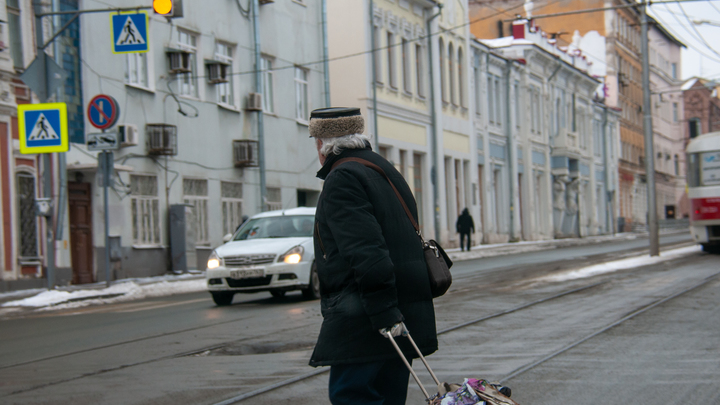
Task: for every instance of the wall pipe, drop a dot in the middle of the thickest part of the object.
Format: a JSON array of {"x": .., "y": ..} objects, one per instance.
[
  {"x": 259, "y": 89},
  {"x": 326, "y": 56},
  {"x": 433, "y": 126},
  {"x": 511, "y": 147}
]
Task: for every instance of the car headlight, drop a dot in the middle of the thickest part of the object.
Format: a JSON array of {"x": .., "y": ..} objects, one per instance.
[
  {"x": 292, "y": 256},
  {"x": 214, "y": 261}
]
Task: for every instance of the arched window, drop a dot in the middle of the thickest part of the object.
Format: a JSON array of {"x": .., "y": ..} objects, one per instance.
[
  {"x": 443, "y": 90},
  {"x": 451, "y": 72},
  {"x": 461, "y": 79}
]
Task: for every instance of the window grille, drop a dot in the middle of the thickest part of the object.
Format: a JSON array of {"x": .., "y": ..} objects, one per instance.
[
  {"x": 161, "y": 139},
  {"x": 145, "y": 208},
  {"x": 196, "y": 195},
  {"x": 274, "y": 199},
  {"x": 231, "y": 200},
  {"x": 27, "y": 218}
]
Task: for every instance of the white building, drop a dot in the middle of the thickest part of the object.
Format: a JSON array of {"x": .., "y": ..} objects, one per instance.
[{"x": 193, "y": 99}]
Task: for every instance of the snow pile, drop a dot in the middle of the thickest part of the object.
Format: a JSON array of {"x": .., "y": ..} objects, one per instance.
[
  {"x": 119, "y": 292},
  {"x": 623, "y": 264}
]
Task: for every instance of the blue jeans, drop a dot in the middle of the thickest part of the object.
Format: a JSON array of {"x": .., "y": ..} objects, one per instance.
[{"x": 378, "y": 383}]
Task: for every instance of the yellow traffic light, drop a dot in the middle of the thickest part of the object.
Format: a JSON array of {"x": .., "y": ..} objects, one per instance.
[{"x": 162, "y": 6}]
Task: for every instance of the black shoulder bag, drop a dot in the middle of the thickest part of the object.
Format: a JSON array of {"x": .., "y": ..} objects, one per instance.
[{"x": 437, "y": 261}]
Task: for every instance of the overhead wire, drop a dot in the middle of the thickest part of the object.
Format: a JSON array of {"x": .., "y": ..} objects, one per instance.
[{"x": 665, "y": 24}]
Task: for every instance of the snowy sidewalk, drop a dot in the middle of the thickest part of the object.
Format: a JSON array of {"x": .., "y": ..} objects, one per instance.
[{"x": 139, "y": 288}]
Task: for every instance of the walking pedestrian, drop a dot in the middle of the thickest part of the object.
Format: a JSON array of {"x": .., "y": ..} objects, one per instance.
[
  {"x": 465, "y": 226},
  {"x": 371, "y": 268}
]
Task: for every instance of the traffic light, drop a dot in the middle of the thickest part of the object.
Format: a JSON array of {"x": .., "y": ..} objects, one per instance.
[
  {"x": 163, "y": 7},
  {"x": 168, "y": 8}
]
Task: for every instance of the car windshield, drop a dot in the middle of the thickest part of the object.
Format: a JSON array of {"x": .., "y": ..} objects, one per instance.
[{"x": 277, "y": 227}]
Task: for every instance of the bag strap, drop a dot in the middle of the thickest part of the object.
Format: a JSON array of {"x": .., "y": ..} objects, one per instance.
[{"x": 382, "y": 172}]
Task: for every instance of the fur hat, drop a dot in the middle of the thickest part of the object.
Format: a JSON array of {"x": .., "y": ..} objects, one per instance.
[{"x": 336, "y": 121}]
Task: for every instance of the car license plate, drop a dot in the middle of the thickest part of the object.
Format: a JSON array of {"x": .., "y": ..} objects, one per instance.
[{"x": 247, "y": 273}]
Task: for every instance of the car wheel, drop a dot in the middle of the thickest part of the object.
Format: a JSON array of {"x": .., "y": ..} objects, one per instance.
[
  {"x": 222, "y": 298},
  {"x": 278, "y": 293},
  {"x": 313, "y": 290}
]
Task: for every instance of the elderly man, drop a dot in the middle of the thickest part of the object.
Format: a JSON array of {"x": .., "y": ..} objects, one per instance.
[{"x": 371, "y": 268}]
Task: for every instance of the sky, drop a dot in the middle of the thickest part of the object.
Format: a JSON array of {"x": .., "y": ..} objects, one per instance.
[{"x": 702, "y": 55}]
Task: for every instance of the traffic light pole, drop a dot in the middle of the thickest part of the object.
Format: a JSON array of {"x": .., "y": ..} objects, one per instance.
[{"x": 647, "y": 127}]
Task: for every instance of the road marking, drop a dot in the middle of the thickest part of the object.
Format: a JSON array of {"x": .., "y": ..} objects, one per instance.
[{"x": 165, "y": 305}]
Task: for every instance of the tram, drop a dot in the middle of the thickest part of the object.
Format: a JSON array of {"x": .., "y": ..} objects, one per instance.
[{"x": 703, "y": 178}]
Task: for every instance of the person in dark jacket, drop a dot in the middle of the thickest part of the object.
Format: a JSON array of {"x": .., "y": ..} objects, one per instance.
[
  {"x": 465, "y": 226},
  {"x": 371, "y": 268}
]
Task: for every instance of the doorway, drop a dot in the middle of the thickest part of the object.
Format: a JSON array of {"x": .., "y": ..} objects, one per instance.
[{"x": 81, "y": 241}]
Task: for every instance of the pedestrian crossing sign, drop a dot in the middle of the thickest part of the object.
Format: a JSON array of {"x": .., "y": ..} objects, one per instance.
[
  {"x": 130, "y": 34},
  {"x": 43, "y": 128}
]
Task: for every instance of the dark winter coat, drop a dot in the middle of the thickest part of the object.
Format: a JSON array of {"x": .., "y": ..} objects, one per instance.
[
  {"x": 465, "y": 223},
  {"x": 370, "y": 264}
]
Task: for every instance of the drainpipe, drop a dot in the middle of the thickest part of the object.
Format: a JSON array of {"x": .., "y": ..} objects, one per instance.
[
  {"x": 609, "y": 220},
  {"x": 374, "y": 75},
  {"x": 433, "y": 125},
  {"x": 62, "y": 158},
  {"x": 326, "y": 64},
  {"x": 511, "y": 147},
  {"x": 259, "y": 89}
]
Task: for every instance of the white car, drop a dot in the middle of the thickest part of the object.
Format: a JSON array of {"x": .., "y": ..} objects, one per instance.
[{"x": 272, "y": 251}]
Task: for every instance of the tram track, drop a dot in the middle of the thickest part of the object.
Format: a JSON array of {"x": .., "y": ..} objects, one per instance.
[{"x": 637, "y": 311}]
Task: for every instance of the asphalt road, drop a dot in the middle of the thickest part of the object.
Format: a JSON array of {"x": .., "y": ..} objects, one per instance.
[{"x": 183, "y": 349}]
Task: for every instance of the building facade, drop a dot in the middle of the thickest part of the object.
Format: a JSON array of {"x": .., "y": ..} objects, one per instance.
[
  {"x": 206, "y": 125},
  {"x": 563, "y": 141},
  {"x": 415, "y": 94},
  {"x": 611, "y": 40}
]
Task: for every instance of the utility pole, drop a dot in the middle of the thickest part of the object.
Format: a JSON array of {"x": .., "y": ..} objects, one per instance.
[{"x": 648, "y": 130}]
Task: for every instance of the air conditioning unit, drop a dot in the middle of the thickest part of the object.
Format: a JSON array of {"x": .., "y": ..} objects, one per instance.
[
  {"x": 245, "y": 153},
  {"x": 254, "y": 102},
  {"x": 161, "y": 139},
  {"x": 128, "y": 134},
  {"x": 179, "y": 61},
  {"x": 217, "y": 71}
]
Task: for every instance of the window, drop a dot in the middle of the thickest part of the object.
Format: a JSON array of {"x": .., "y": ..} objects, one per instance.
[
  {"x": 231, "y": 198},
  {"x": 461, "y": 79},
  {"x": 419, "y": 70},
  {"x": 443, "y": 85},
  {"x": 144, "y": 204},
  {"x": 417, "y": 184},
  {"x": 391, "y": 60},
  {"x": 268, "y": 95},
  {"x": 195, "y": 193},
  {"x": 491, "y": 101},
  {"x": 407, "y": 74},
  {"x": 695, "y": 127},
  {"x": 516, "y": 88},
  {"x": 378, "y": 56},
  {"x": 273, "y": 199},
  {"x": 451, "y": 73},
  {"x": 136, "y": 70},
  {"x": 26, "y": 216},
  {"x": 187, "y": 82},
  {"x": 478, "y": 87},
  {"x": 675, "y": 112},
  {"x": 301, "y": 94},
  {"x": 224, "y": 53},
  {"x": 674, "y": 70},
  {"x": 15, "y": 31}
]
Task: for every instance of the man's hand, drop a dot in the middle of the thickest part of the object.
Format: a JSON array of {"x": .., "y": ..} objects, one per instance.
[{"x": 396, "y": 330}]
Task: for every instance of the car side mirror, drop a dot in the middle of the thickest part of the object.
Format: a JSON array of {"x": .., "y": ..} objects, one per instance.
[{"x": 227, "y": 238}]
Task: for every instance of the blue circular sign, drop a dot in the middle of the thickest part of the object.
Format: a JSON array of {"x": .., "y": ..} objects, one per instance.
[{"x": 103, "y": 111}]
